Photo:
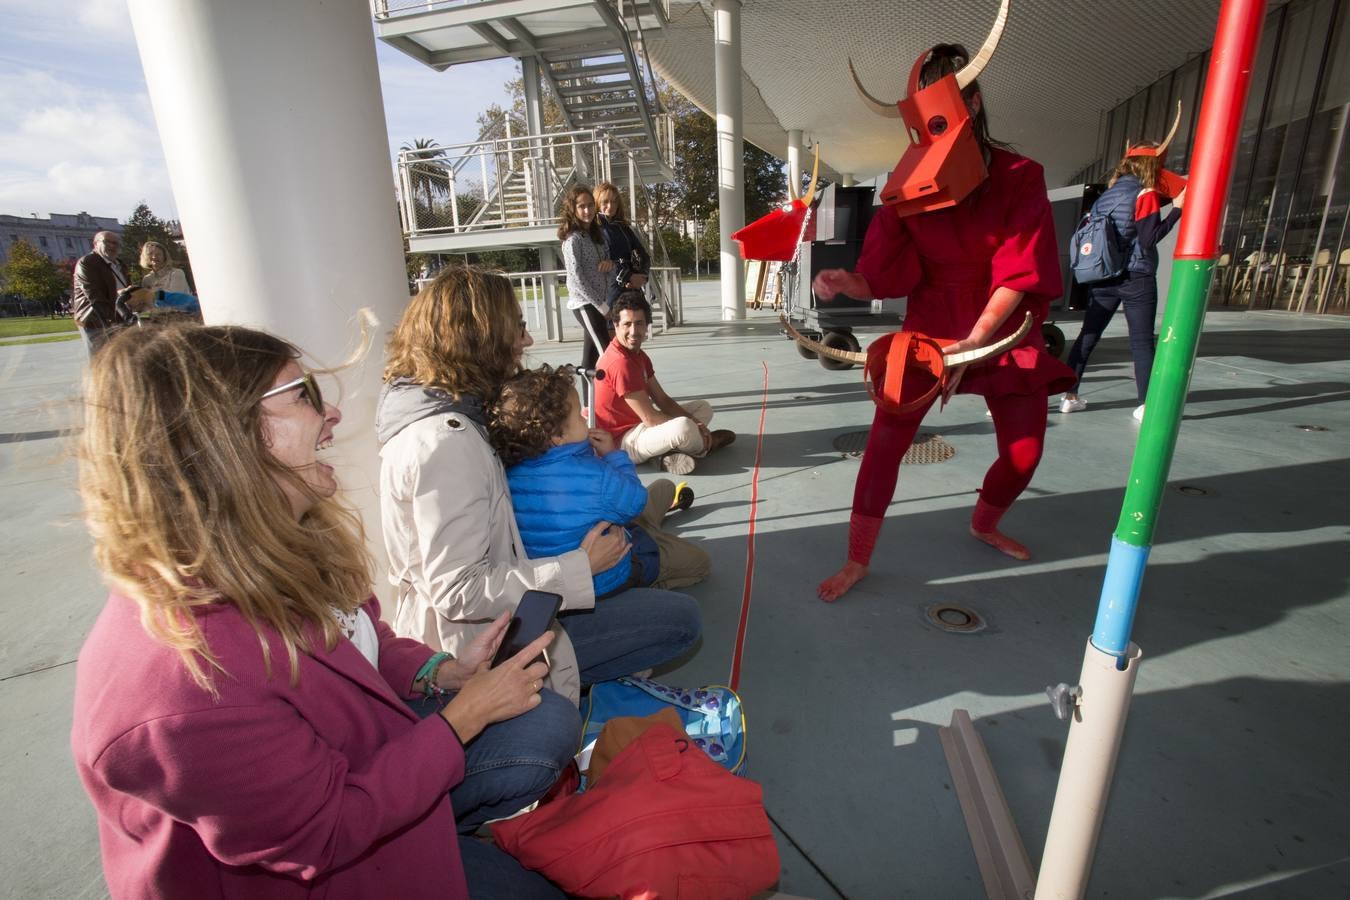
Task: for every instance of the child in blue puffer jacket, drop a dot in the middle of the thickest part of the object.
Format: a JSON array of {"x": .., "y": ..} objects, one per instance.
[{"x": 566, "y": 477}]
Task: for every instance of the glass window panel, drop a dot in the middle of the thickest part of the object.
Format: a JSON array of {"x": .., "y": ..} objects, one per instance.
[
  {"x": 1303, "y": 184},
  {"x": 1291, "y": 227},
  {"x": 1160, "y": 110},
  {"x": 1188, "y": 78},
  {"x": 1336, "y": 83},
  {"x": 1134, "y": 122}
]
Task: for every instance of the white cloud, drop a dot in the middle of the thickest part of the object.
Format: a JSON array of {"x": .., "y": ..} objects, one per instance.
[
  {"x": 79, "y": 133},
  {"x": 105, "y": 15},
  {"x": 75, "y": 148}
]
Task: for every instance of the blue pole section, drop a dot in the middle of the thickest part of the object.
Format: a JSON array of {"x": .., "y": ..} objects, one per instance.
[{"x": 1120, "y": 597}]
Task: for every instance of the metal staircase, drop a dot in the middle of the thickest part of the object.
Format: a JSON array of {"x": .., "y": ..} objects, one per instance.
[
  {"x": 588, "y": 53},
  {"x": 505, "y": 190}
]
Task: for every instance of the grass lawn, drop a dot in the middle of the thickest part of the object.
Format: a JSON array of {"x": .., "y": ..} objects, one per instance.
[
  {"x": 43, "y": 339},
  {"x": 23, "y": 326}
]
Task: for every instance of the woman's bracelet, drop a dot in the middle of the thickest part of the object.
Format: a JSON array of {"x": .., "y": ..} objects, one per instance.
[{"x": 427, "y": 674}]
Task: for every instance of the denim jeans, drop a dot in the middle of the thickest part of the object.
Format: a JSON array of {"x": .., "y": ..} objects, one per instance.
[
  {"x": 1138, "y": 293},
  {"x": 492, "y": 873},
  {"x": 632, "y": 631},
  {"x": 511, "y": 764}
]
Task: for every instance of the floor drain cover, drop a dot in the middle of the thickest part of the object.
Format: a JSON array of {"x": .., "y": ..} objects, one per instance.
[
  {"x": 1312, "y": 428},
  {"x": 956, "y": 619},
  {"x": 1191, "y": 490},
  {"x": 927, "y": 447}
]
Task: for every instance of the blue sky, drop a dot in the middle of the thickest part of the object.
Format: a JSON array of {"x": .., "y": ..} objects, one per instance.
[{"x": 76, "y": 128}]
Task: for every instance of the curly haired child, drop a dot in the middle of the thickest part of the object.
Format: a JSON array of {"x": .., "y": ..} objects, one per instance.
[{"x": 566, "y": 477}]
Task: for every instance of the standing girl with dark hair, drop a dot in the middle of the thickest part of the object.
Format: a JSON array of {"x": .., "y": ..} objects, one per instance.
[
  {"x": 1135, "y": 205},
  {"x": 587, "y": 265}
]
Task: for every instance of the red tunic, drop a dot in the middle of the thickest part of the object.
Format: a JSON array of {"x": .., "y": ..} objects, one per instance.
[{"x": 949, "y": 262}]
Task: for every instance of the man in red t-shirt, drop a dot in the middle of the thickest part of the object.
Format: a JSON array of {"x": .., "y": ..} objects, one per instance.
[{"x": 631, "y": 404}]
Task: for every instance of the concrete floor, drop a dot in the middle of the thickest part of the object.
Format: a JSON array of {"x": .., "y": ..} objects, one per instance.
[{"x": 1227, "y": 783}]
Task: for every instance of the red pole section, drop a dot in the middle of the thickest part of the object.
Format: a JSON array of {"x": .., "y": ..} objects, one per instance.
[{"x": 1230, "y": 73}]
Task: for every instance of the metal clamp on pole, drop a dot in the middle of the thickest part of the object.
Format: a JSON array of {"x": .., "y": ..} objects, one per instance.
[{"x": 589, "y": 377}]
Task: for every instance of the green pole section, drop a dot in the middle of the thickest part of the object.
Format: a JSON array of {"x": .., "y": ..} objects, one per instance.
[{"x": 1172, "y": 365}]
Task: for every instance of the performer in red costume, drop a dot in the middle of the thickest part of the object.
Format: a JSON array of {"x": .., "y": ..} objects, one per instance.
[{"x": 973, "y": 254}]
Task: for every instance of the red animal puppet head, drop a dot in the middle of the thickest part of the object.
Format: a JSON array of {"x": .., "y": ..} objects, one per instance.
[
  {"x": 775, "y": 237},
  {"x": 1168, "y": 183},
  {"x": 944, "y": 161}
]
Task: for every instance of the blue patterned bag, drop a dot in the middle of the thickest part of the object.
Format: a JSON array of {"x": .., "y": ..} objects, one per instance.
[{"x": 712, "y": 715}]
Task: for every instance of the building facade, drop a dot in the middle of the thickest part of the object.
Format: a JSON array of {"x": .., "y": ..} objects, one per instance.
[
  {"x": 1284, "y": 243},
  {"x": 61, "y": 236}
]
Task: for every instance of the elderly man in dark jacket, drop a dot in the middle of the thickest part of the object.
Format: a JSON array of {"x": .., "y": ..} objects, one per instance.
[{"x": 98, "y": 277}]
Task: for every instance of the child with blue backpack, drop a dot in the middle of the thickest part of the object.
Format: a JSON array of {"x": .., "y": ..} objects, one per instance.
[{"x": 565, "y": 477}]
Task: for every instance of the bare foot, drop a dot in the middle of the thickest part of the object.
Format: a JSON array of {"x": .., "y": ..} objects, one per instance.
[
  {"x": 1002, "y": 543},
  {"x": 838, "y": 584}
]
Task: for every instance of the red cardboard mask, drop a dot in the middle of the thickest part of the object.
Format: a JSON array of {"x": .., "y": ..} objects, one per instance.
[
  {"x": 944, "y": 162},
  {"x": 775, "y": 237}
]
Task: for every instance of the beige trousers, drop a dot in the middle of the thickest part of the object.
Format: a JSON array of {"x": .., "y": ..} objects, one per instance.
[
  {"x": 676, "y": 436},
  {"x": 682, "y": 563}
]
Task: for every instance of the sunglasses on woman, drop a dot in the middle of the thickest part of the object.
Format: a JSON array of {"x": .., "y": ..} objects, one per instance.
[{"x": 309, "y": 384}]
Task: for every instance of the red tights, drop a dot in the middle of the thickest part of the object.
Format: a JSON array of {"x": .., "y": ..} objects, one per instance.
[{"x": 1019, "y": 427}]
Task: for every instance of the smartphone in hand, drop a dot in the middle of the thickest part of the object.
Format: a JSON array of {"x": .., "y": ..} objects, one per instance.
[{"x": 534, "y": 614}]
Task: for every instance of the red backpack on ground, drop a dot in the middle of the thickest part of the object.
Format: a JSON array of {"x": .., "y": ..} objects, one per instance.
[{"x": 664, "y": 820}]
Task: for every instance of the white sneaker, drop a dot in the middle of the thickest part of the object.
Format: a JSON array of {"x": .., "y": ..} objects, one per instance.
[
  {"x": 1072, "y": 404},
  {"x": 1139, "y": 413},
  {"x": 677, "y": 463}
]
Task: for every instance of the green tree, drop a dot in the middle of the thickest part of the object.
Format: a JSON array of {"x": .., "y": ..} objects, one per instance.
[
  {"x": 426, "y": 172},
  {"x": 695, "y": 183},
  {"x": 143, "y": 225},
  {"x": 30, "y": 274}
]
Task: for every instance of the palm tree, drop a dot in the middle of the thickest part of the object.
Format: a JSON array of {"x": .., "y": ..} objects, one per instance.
[{"x": 426, "y": 170}]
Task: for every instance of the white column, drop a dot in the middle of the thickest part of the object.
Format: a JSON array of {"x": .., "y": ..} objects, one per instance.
[
  {"x": 273, "y": 130},
  {"x": 730, "y": 154},
  {"x": 548, "y": 259},
  {"x": 794, "y": 161}
]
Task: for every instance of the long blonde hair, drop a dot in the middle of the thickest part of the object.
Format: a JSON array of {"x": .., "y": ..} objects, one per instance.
[
  {"x": 458, "y": 334},
  {"x": 182, "y": 500},
  {"x": 609, "y": 189}
]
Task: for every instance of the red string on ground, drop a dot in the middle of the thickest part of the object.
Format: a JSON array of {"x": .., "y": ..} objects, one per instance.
[{"x": 735, "y": 679}]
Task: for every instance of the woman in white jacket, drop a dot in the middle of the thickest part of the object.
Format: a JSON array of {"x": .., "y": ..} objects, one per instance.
[
  {"x": 455, "y": 553},
  {"x": 584, "y": 257}
]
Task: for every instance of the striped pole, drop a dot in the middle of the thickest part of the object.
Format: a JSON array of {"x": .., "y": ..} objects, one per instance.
[{"x": 1109, "y": 664}]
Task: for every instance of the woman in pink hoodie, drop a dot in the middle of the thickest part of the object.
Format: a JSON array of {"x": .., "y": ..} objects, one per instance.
[{"x": 241, "y": 722}]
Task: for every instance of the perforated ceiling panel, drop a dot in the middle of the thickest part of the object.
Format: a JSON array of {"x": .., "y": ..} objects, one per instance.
[{"x": 1059, "y": 64}]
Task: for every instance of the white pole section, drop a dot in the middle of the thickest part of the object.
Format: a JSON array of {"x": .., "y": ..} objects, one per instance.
[
  {"x": 1095, "y": 728},
  {"x": 273, "y": 130},
  {"x": 794, "y": 160},
  {"x": 730, "y": 153}
]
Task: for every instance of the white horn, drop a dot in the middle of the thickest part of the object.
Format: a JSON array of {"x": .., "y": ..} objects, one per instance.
[
  {"x": 971, "y": 70},
  {"x": 1176, "y": 123},
  {"x": 967, "y": 357},
  {"x": 815, "y": 173},
  {"x": 887, "y": 110}
]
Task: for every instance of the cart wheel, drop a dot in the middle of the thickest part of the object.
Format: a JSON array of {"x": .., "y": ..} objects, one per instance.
[
  {"x": 838, "y": 340},
  {"x": 802, "y": 350},
  {"x": 1054, "y": 340}
]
